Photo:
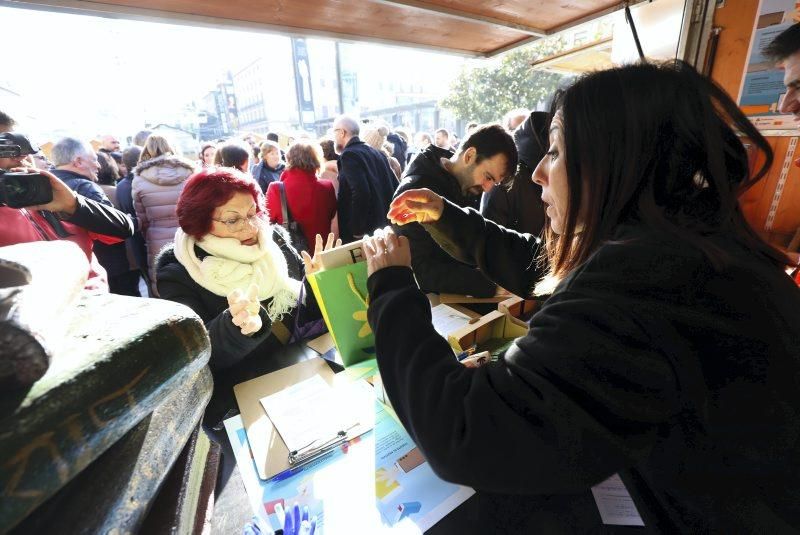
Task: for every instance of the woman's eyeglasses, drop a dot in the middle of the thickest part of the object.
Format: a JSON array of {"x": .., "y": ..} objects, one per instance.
[{"x": 236, "y": 224}]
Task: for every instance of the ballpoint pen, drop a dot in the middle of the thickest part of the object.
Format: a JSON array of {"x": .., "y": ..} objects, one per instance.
[
  {"x": 280, "y": 513},
  {"x": 296, "y": 516},
  {"x": 286, "y": 474},
  {"x": 288, "y": 523},
  {"x": 466, "y": 353}
]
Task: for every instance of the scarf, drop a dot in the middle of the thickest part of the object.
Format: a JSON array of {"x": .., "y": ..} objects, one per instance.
[{"x": 234, "y": 266}]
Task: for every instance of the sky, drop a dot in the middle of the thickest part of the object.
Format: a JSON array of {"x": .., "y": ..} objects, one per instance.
[{"x": 91, "y": 75}]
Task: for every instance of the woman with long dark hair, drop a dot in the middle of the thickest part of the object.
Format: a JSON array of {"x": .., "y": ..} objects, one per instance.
[{"x": 668, "y": 350}]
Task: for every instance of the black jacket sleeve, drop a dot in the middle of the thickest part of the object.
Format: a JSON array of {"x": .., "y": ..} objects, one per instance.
[
  {"x": 558, "y": 414},
  {"x": 439, "y": 272},
  {"x": 507, "y": 257},
  {"x": 228, "y": 344},
  {"x": 100, "y": 218}
]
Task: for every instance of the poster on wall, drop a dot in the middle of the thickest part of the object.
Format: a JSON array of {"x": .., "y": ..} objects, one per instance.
[{"x": 762, "y": 84}]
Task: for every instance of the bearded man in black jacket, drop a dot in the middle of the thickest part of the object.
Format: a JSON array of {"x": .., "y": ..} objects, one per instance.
[{"x": 485, "y": 158}]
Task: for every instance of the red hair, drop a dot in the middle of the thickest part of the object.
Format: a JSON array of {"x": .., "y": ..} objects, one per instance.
[{"x": 209, "y": 189}]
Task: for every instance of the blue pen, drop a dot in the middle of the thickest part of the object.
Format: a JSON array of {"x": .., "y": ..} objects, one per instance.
[
  {"x": 305, "y": 513},
  {"x": 288, "y": 524},
  {"x": 286, "y": 474},
  {"x": 313, "y": 525},
  {"x": 296, "y": 514}
]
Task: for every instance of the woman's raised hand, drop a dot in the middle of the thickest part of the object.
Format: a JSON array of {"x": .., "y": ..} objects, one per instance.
[
  {"x": 416, "y": 205},
  {"x": 313, "y": 264},
  {"x": 244, "y": 309},
  {"x": 385, "y": 249}
]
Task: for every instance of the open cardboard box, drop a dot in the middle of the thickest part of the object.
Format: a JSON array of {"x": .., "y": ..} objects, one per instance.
[
  {"x": 519, "y": 309},
  {"x": 495, "y": 325}
]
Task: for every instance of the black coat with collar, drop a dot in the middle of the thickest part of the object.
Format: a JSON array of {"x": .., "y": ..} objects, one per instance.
[
  {"x": 228, "y": 345},
  {"x": 366, "y": 185},
  {"x": 235, "y": 357},
  {"x": 437, "y": 271},
  {"x": 646, "y": 361}
]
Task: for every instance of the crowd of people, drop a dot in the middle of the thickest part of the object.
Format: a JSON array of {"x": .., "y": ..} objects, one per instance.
[
  {"x": 666, "y": 349},
  {"x": 300, "y": 182}
]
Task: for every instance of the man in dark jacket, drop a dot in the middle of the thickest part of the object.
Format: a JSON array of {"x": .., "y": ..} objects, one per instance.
[
  {"x": 485, "y": 158},
  {"x": 68, "y": 216},
  {"x": 366, "y": 182},
  {"x": 76, "y": 165},
  {"x": 519, "y": 205}
]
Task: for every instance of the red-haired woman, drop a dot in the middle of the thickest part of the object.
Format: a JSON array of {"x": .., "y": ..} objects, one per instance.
[{"x": 236, "y": 271}]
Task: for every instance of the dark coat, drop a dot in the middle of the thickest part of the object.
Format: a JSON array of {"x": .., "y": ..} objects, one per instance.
[
  {"x": 519, "y": 205},
  {"x": 265, "y": 174},
  {"x": 436, "y": 270},
  {"x": 111, "y": 256},
  {"x": 97, "y": 215},
  {"x": 234, "y": 356},
  {"x": 399, "y": 148},
  {"x": 136, "y": 242},
  {"x": 645, "y": 362},
  {"x": 366, "y": 184},
  {"x": 82, "y": 186},
  {"x": 228, "y": 345}
]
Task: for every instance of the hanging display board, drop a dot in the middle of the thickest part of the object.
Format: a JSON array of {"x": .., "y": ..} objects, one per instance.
[{"x": 762, "y": 86}]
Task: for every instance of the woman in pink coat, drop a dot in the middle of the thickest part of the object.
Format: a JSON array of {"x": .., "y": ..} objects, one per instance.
[{"x": 157, "y": 184}]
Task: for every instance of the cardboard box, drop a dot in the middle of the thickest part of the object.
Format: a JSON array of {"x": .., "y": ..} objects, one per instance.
[
  {"x": 519, "y": 309},
  {"x": 495, "y": 325}
]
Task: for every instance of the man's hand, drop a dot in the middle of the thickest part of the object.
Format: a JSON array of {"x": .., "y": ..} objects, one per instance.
[
  {"x": 416, "y": 205},
  {"x": 64, "y": 199},
  {"x": 384, "y": 249},
  {"x": 312, "y": 264}
]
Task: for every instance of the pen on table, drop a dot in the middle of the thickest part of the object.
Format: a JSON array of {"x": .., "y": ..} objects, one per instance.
[
  {"x": 286, "y": 474},
  {"x": 280, "y": 513},
  {"x": 288, "y": 523},
  {"x": 296, "y": 516},
  {"x": 466, "y": 353}
]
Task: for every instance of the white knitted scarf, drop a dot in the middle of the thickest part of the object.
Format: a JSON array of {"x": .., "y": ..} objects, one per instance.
[{"x": 232, "y": 266}]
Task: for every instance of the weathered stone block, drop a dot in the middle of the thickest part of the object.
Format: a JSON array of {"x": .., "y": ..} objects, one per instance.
[
  {"x": 39, "y": 284},
  {"x": 114, "y": 493},
  {"x": 121, "y": 359}
]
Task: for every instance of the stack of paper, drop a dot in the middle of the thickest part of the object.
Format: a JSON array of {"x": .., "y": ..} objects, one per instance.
[
  {"x": 312, "y": 412},
  {"x": 447, "y": 319}
]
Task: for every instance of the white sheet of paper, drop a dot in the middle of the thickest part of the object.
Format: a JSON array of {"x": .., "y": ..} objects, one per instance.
[
  {"x": 447, "y": 319},
  {"x": 615, "y": 504},
  {"x": 312, "y": 412}
]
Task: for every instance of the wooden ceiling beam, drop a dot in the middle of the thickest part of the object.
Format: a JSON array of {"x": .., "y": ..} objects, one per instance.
[
  {"x": 113, "y": 11},
  {"x": 465, "y": 16}
]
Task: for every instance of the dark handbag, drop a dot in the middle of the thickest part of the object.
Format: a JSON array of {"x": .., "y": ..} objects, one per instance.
[{"x": 292, "y": 227}]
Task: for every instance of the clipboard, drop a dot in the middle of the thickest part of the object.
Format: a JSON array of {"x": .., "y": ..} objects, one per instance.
[{"x": 270, "y": 454}]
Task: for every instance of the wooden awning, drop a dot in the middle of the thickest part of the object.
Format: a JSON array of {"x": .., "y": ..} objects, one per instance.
[{"x": 468, "y": 27}]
